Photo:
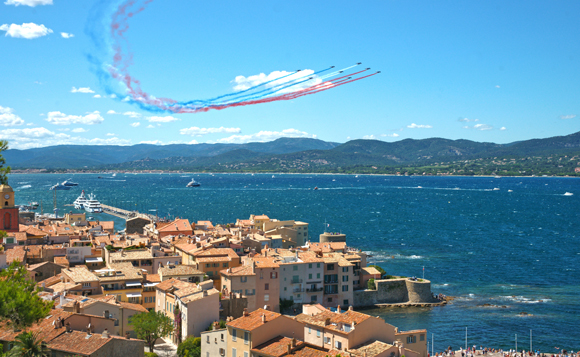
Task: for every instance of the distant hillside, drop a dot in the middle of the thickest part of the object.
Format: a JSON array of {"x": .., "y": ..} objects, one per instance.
[
  {"x": 435, "y": 156},
  {"x": 90, "y": 156}
]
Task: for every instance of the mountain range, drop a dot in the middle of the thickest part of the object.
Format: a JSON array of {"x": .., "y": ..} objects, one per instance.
[{"x": 295, "y": 155}]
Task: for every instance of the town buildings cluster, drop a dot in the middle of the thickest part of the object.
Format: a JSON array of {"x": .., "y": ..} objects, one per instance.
[{"x": 198, "y": 273}]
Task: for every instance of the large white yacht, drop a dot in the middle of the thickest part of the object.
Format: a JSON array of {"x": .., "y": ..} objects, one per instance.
[
  {"x": 80, "y": 202},
  {"x": 92, "y": 205}
]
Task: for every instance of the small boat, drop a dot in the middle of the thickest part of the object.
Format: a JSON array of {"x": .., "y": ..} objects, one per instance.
[
  {"x": 510, "y": 190},
  {"x": 568, "y": 194},
  {"x": 316, "y": 188},
  {"x": 92, "y": 205},
  {"x": 80, "y": 202},
  {"x": 496, "y": 189},
  {"x": 69, "y": 183},
  {"x": 60, "y": 186},
  {"x": 193, "y": 183}
]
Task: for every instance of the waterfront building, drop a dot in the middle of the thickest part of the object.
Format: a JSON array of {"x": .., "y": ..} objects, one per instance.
[
  {"x": 338, "y": 280},
  {"x": 301, "y": 275}
]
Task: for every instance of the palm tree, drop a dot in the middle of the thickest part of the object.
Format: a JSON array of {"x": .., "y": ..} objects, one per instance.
[{"x": 28, "y": 344}]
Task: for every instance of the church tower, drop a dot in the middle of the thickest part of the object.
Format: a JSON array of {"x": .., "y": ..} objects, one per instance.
[{"x": 8, "y": 212}]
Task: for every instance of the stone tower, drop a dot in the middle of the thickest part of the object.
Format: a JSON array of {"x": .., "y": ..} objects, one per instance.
[{"x": 8, "y": 212}]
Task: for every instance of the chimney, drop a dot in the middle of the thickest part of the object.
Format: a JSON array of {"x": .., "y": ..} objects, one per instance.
[
  {"x": 127, "y": 336},
  {"x": 293, "y": 342},
  {"x": 264, "y": 318},
  {"x": 68, "y": 328},
  {"x": 352, "y": 325},
  {"x": 245, "y": 311},
  {"x": 253, "y": 267},
  {"x": 77, "y": 307},
  {"x": 338, "y": 311},
  {"x": 289, "y": 349},
  {"x": 350, "y": 308},
  {"x": 89, "y": 329},
  {"x": 105, "y": 334}
]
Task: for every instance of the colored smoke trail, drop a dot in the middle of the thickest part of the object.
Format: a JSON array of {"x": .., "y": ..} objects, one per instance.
[{"x": 113, "y": 59}]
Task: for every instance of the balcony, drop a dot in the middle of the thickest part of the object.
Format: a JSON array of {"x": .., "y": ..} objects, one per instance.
[
  {"x": 299, "y": 290},
  {"x": 296, "y": 281},
  {"x": 313, "y": 290}
]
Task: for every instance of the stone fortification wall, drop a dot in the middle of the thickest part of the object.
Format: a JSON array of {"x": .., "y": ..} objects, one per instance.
[{"x": 395, "y": 291}]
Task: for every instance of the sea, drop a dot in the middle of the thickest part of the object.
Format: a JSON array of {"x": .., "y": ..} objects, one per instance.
[{"x": 507, "y": 249}]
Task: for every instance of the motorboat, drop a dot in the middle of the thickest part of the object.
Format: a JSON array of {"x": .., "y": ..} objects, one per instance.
[
  {"x": 568, "y": 194},
  {"x": 69, "y": 183},
  {"x": 60, "y": 186},
  {"x": 92, "y": 205},
  {"x": 80, "y": 202},
  {"x": 193, "y": 183}
]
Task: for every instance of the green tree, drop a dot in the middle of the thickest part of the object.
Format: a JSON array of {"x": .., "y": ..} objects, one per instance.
[
  {"x": 21, "y": 306},
  {"x": 371, "y": 284},
  {"x": 150, "y": 326},
  {"x": 191, "y": 347},
  {"x": 28, "y": 344},
  {"x": 4, "y": 171}
]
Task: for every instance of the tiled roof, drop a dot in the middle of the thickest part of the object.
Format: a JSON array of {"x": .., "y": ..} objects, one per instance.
[
  {"x": 44, "y": 327},
  {"x": 198, "y": 295},
  {"x": 370, "y": 271},
  {"x": 238, "y": 271},
  {"x": 213, "y": 259},
  {"x": 50, "y": 281},
  {"x": 79, "y": 343},
  {"x": 335, "y": 319},
  {"x": 16, "y": 253},
  {"x": 253, "y": 320},
  {"x": 371, "y": 349},
  {"x": 265, "y": 262},
  {"x": 63, "y": 261},
  {"x": 79, "y": 274},
  {"x": 179, "y": 225},
  {"x": 177, "y": 270},
  {"x": 214, "y": 252},
  {"x": 136, "y": 307},
  {"x": 277, "y": 347},
  {"x": 173, "y": 283},
  {"x": 123, "y": 271},
  {"x": 131, "y": 255},
  {"x": 153, "y": 278}
]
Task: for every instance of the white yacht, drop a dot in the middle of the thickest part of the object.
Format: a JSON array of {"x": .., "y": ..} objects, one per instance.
[
  {"x": 92, "y": 205},
  {"x": 80, "y": 202},
  {"x": 193, "y": 183}
]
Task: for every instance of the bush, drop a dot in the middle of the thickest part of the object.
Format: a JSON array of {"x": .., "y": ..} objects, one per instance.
[
  {"x": 151, "y": 354},
  {"x": 381, "y": 270},
  {"x": 191, "y": 347},
  {"x": 371, "y": 284}
]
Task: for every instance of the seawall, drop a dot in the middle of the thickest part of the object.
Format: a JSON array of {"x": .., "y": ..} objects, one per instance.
[{"x": 396, "y": 291}]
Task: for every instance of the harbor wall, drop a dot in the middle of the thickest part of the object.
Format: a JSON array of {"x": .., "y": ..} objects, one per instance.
[{"x": 395, "y": 291}]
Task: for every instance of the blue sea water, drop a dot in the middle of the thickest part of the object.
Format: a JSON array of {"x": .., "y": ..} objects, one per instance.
[{"x": 476, "y": 240}]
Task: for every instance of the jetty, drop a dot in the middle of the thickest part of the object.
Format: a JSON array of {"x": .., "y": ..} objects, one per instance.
[{"x": 125, "y": 214}]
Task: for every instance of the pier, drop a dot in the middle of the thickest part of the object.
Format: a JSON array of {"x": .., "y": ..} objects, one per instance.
[{"x": 122, "y": 213}]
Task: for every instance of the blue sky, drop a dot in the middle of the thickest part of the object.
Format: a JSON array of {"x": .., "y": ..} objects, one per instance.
[{"x": 490, "y": 71}]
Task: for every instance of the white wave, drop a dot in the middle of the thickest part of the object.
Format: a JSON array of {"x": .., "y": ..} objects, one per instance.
[{"x": 24, "y": 187}]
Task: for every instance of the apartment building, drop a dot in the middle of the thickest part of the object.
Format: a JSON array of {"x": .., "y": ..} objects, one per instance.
[
  {"x": 122, "y": 280},
  {"x": 301, "y": 275},
  {"x": 267, "y": 282},
  {"x": 338, "y": 280},
  {"x": 241, "y": 280},
  {"x": 86, "y": 283}
]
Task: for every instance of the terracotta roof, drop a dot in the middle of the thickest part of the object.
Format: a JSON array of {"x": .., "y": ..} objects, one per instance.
[
  {"x": 197, "y": 295},
  {"x": 44, "y": 327},
  {"x": 177, "y": 270},
  {"x": 63, "y": 261},
  {"x": 265, "y": 262},
  {"x": 370, "y": 271},
  {"x": 136, "y": 307},
  {"x": 371, "y": 348},
  {"x": 50, "y": 281},
  {"x": 277, "y": 347},
  {"x": 16, "y": 253},
  {"x": 79, "y": 274},
  {"x": 79, "y": 343},
  {"x": 238, "y": 271},
  {"x": 173, "y": 283},
  {"x": 34, "y": 231},
  {"x": 261, "y": 216},
  {"x": 213, "y": 252},
  {"x": 335, "y": 319},
  {"x": 179, "y": 225},
  {"x": 153, "y": 278},
  {"x": 253, "y": 320}
]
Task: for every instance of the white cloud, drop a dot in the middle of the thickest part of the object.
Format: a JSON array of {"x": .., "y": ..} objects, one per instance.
[
  {"x": 112, "y": 112},
  {"x": 370, "y": 137},
  {"x": 393, "y": 135},
  {"x": 79, "y": 130},
  {"x": 243, "y": 83},
  {"x": 97, "y": 96},
  {"x": 166, "y": 119},
  {"x": 133, "y": 115},
  {"x": 150, "y": 126},
  {"x": 497, "y": 86},
  {"x": 264, "y": 136},
  {"x": 195, "y": 131},
  {"x": 41, "y": 137},
  {"x": 82, "y": 90},
  {"x": 67, "y": 35},
  {"x": 58, "y": 118},
  {"x": 28, "y": 31},
  {"x": 482, "y": 127},
  {"x": 111, "y": 134},
  {"x": 193, "y": 142},
  {"x": 8, "y": 118},
  {"x": 31, "y": 3},
  {"x": 153, "y": 142},
  {"x": 417, "y": 126},
  {"x": 135, "y": 124},
  {"x": 466, "y": 120},
  {"x": 569, "y": 116},
  {"x": 502, "y": 128},
  {"x": 113, "y": 96}
]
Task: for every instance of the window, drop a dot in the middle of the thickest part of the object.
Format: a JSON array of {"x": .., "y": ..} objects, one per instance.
[
  {"x": 234, "y": 352},
  {"x": 317, "y": 333},
  {"x": 345, "y": 302},
  {"x": 250, "y": 292},
  {"x": 225, "y": 265},
  {"x": 273, "y": 275},
  {"x": 153, "y": 297},
  {"x": 338, "y": 344},
  {"x": 207, "y": 265},
  {"x": 295, "y": 267},
  {"x": 234, "y": 335},
  {"x": 309, "y": 329},
  {"x": 318, "y": 265},
  {"x": 309, "y": 265},
  {"x": 309, "y": 276},
  {"x": 86, "y": 285},
  {"x": 411, "y": 339},
  {"x": 345, "y": 278},
  {"x": 207, "y": 339},
  {"x": 243, "y": 279},
  {"x": 422, "y": 338},
  {"x": 313, "y": 298},
  {"x": 266, "y": 286},
  {"x": 345, "y": 288},
  {"x": 246, "y": 337},
  {"x": 222, "y": 352},
  {"x": 245, "y": 354},
  {"x": 327, "y": 340},
  {"x": 216, "y": 265},
  {"x": 266, "y": 297},
  {"x": 345, "y": 269},
  {"x": 329, "y": 266},
  {"x": 317, "y": 275}
]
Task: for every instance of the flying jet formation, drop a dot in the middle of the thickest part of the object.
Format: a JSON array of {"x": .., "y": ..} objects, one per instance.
[{"x": 113, "y": 59}]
